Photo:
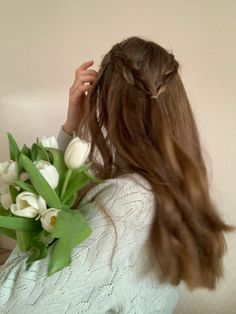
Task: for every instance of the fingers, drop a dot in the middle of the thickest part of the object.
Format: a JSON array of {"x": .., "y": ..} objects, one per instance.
[
  {"x": 83, "y": 75},
  {"x": 79, "y": 87},
  {"x": 82, "y": 79},
  {"x": 84, "y": 88},
  {"x": 83, "y": 69},
  {"x": 86, "y": 78},
  {"x": 88, "y": 72},
  {"x": 85, "y": 65},
  {"x": 79, "y": 73}
]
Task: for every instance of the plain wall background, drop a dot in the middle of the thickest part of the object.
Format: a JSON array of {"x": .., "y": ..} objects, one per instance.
[{"x": 43, "y": 42}]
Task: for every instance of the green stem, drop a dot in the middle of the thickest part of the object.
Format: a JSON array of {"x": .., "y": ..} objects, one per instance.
[
  {"x": 68, "y": 174},
  {"x": 23, "y": 240},
  {"x": 8, "y": 232}
]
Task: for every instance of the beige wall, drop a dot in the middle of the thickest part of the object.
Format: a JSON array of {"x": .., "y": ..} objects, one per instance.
[{"x": 42, "y": 43}]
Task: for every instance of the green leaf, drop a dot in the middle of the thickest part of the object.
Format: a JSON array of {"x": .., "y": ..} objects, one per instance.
[
  {"x": 26, "y": 151},
  {"x": 64, "y": 207},
  {"x": 8, "y": 232},
  {"x": 40, "y": 184},
  {"x": 44, "y": 237},
  {"x": 42, "y": 153},
  {"x": 83, "y": 168},
  {"x": 71, "y": 200},
  {"x": 38, "y": 251},
  {"x": 13, "y": 147},
  {"x": 24, "y": 239},
  {"x": 93, "y": 178},
  {"x": 57, "y": 158},
  {"x": 3, "y": 211},
  {"x": 71, "y": 229},
  {"x": 34, "y": 152},
  {"x": 20, "y": 223},
  {"x": 26, "y": 186},
  {"x": 77, "y": 181},
  {"x": 13, "y": 193}
]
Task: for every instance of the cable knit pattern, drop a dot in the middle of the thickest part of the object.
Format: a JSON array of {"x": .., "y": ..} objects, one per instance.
[{"x": 97, "y": 281}]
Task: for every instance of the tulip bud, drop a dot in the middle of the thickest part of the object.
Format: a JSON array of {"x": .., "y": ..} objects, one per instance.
[
  {"x": 8, "y": 172},
  {"x": 28, "y": 205},
  {"x": 49, "y": 142},
  {"x": 49, "y": 218},
  {"x": 49, "y": 172},
  {"x": 76, "y": 153}
]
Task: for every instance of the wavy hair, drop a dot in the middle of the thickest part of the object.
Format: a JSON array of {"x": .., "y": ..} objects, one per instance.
[{"x": 158, "y": 139}]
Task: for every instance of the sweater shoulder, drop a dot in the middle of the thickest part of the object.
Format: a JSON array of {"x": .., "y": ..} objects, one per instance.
[{"x": 130, "y": 186}]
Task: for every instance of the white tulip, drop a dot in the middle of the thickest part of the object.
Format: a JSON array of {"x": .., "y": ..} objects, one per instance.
[
  {"x": 76, "y": 153},
  {"x": 49, "y": 172},
  {"x": 8, "y": 171},
  {"x": 49, "y": 218},
  {"x": 49, "y": 142},
  {"x": 28, "y": 205},
  {"x": 5, "y": 197}
]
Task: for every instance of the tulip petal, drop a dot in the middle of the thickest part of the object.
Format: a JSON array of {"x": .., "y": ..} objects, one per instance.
[
  {"x": 6, "y": 200},
  {"x": 8, "y": 172},
  {"x": 51, "y": 175},
  {"x": 49, "y": 172},
  {"x": 76, "y": 153},
  {"x": 46, "y": 219},
  {"x": 28, "y": 212},
  {"x": 49, "y": 142}
]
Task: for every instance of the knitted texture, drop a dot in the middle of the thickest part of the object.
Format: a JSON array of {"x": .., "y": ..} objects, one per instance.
[
  {"x": 89, "y": 284},
  {"x": 107, "y": 272}
]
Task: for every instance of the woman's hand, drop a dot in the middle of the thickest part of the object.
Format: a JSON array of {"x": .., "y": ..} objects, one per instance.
[{"x": 77, "y": 96}]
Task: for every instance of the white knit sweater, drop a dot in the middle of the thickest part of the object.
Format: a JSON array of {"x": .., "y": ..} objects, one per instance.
[{"x": 89, "y": 285}]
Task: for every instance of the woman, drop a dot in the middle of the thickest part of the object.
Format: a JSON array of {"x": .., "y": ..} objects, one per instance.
[{"x": 154, "y": 223}]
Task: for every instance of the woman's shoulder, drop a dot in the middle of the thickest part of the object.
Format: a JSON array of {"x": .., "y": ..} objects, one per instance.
[
  {"x": 131, "y": 186},
  {"x": 127, "y": 201}
]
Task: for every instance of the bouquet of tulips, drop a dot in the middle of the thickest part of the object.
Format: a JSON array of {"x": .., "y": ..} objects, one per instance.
[{"x": 39, "y": 186}]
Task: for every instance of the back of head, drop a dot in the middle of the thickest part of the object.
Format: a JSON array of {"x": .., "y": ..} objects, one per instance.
[{"x": 157, "y": 137}]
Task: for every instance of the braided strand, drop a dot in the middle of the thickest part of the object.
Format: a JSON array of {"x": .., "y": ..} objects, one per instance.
[{"x": 134, "y": 76}]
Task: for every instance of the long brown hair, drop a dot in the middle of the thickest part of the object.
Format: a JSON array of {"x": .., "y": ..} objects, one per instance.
[{"x": 157, "y": 138}]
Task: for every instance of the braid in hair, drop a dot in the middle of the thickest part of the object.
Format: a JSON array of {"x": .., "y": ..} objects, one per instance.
[
  {"x": 168, "y": 75},
  {"x": 129, "y": 71},
  {"x": 135, "y": 76}
]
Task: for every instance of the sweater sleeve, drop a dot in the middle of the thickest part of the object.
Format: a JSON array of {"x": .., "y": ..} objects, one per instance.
[
  {"x": 95, "y": 282},
  {"x": 63, "y": 139}
]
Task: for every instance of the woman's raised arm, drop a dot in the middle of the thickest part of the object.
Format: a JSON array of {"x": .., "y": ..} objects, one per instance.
[{"x": 77, "y": 96}]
